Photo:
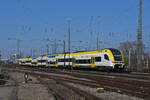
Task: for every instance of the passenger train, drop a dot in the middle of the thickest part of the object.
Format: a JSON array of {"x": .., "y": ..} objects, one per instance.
[{"x": 111, "y": 59}]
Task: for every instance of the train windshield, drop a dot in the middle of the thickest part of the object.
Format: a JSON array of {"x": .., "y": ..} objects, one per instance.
[
  {"x": 118, "y": 57},
  {"x": 117, "y": 54}
]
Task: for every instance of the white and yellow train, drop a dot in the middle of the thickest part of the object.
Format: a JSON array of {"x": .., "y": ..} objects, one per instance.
[{"x": 99, "y": 59}]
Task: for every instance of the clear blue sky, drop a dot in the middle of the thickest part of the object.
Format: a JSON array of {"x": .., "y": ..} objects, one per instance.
[{"x": 35, "y": 20}]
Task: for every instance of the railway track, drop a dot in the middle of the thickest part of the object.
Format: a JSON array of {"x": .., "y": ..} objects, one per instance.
[
  {"x": 65, "y": 93},
  {"x": 132, "y": 75},
  {"x": 132, "y": 86},
  {"x": 61, "y": 80}
]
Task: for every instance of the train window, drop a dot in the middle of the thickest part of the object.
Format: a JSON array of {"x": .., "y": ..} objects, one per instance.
[
  {"x": 106, "y": 57},
  {"x": 77, "y": 61},
  {"x": 83, "y": 61},
  {"x": 28, "y": 61},
  {"x": 89, "y": 61},
  {"x": 118, "y": 57},
  {"x": 115, "y": 52},
  {"x": 66, "y": 60},
  {"x": 43, "y": 60},
  {"x": 51, "y": 56},
  {"x": 33, "y": 62},
  {"x": 70, "y": 60},
  {"x": 51, "y": 62},
  {"x": 60, "y": 60},
  {"x": 97, "y": 59}
]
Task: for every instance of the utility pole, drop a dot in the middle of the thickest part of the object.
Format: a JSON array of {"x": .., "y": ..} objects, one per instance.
[
  {"x": 97, "y": 43},
  {"x": 47, "y": 49},
  {"x": 18, "y": 47},
  {"x": 31, "y": 52},
  {"x": 91, "y": 32},
  {"x": 0, "y": 55},
  {"x": 129, "y": 59},
  {"x": 86, "y": 46},
  {"x": 139, "y": 38},
  {"x": 46, "y": 46},
  {"x": 55, "y": 46},
  {"x": 64, "y": 53},
  {"x": 69, "y": 20},
  {"x": 147, "y": 60},
  {"x": 0, "y": 60},
  {"x": 0, "y": 63},
  {"x": 64, "y": 45}
]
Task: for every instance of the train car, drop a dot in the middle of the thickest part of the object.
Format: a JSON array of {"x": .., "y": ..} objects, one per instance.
[
  {"x": 34, "y": 62},
  {"x": 99, "y": 59},
  {"x": 42, "y": 61},
  {"x": 51, "y": 60},
  {"x": 28, "y": 61},
  {"x": 39, "y": 62},
  {"x": 22, "y": 61}
]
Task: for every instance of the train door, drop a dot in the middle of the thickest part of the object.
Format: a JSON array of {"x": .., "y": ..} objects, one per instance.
[
  {"x": 46, "y": 62},
  {"x": 106, "y": 60},
  {"x": 40, "y": 63},
  {"x": 30, "y": 62},
  {"x": 56, "y": 62},
  {"x": 92, "y": 61},
  {"x": 37, "y": 62},
  {"x": 73, "y": 62}
]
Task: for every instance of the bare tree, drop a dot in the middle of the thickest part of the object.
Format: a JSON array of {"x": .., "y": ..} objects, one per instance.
[{"x": 129, "y": 51}]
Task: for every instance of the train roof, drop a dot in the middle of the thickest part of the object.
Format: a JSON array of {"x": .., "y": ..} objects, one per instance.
[
  {"x": 87, "y": 52},
  {"x": 77, "y": 53}
]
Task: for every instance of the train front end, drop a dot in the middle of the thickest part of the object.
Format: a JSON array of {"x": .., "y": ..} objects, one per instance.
[{"x": 117, "y": 59}]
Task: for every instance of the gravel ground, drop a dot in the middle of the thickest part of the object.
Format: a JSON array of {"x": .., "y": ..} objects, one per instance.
[
  {"x": 8, "y": 90},
  {"x": 58, "y": 89},
  {"x": 32, "y": 90},
  {"x": 5, "y": 93},
  {"x": 105, "y": 94}
]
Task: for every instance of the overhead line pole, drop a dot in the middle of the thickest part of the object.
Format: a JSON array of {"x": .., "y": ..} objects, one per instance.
[
  {"x": 18, "y": 47},
  {"x": 69, "y": 20},
  {"x": 0, "y": 55},
  {"x": 0, "y": 63},
  {"x": 55, "y": 47},
  {"x": 64, "y": 45},
  {"x": 47, "y": 48},
  {"x": 139, "y": 38},
  {"x": 129, "y": 59},
  {"x": 97, "y": 42}
]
